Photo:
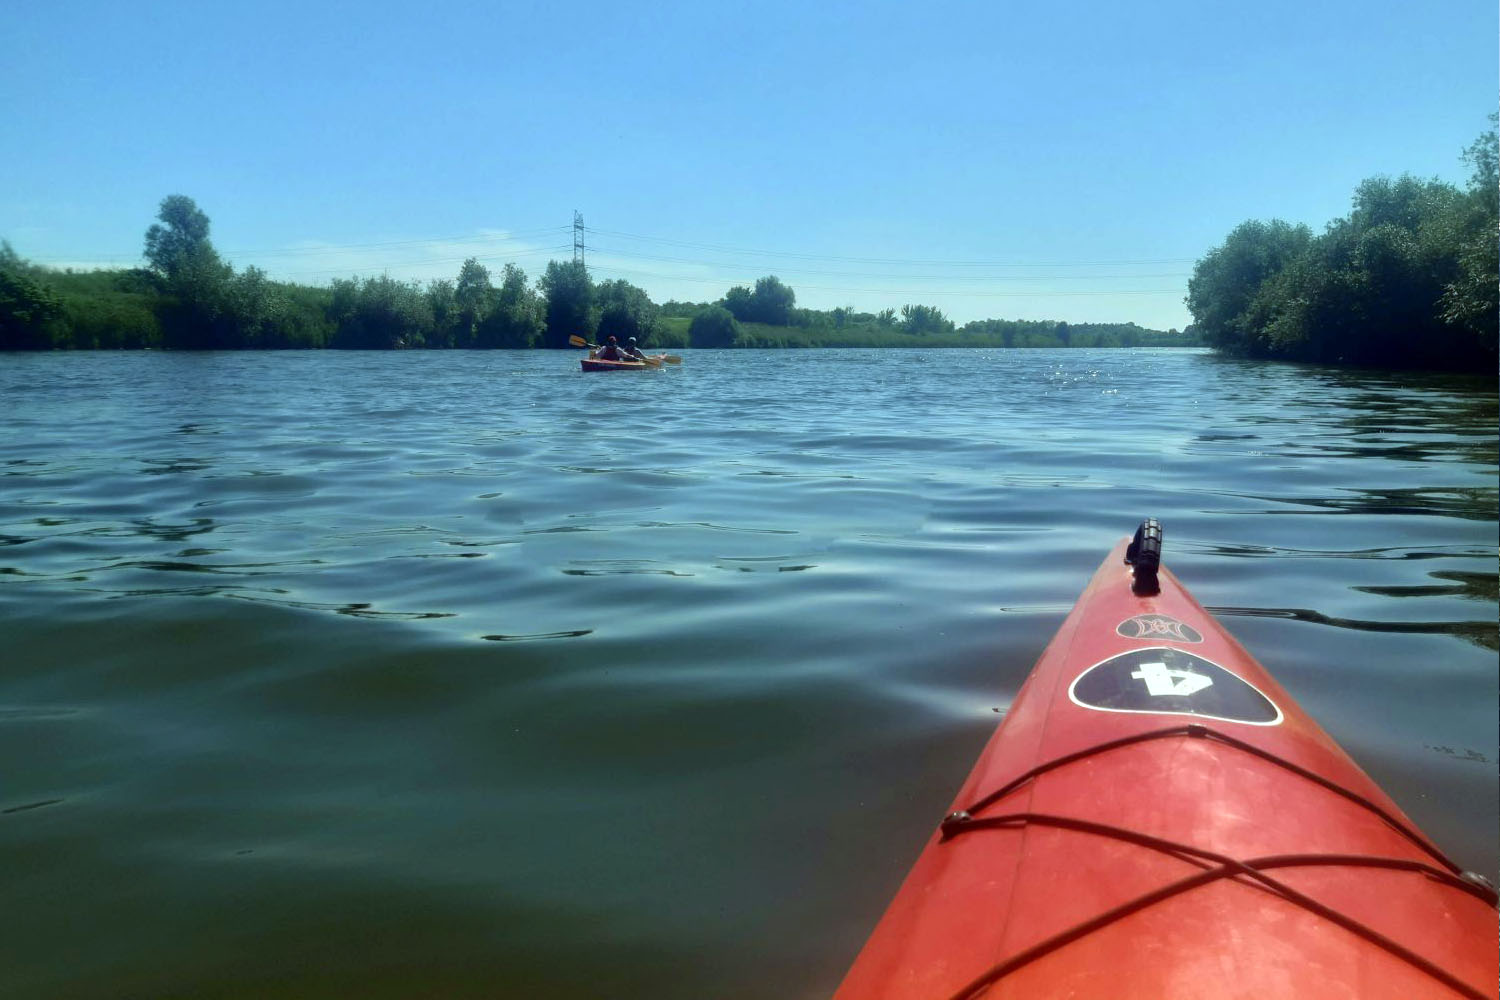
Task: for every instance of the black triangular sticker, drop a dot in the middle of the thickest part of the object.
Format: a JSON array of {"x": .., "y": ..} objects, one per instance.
[{"x": 1163, "y": 681}]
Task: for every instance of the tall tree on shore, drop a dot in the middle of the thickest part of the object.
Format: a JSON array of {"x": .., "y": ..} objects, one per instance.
[
  {"x": 1225, "y": 281},
  {"x": 626, "y": 311},
  {"x": 1472, "y": 301},
  {"x": 446, "y": 326},
  {"x": 472, "y": 297},
  {"x": 771, "y": 302},
  {"x": 739, "y": 303},
  {"x": 516, "y": 314},
  {"x": 569, "y": 292},
  {"x": 178, "y": 244},
  {"x": 192, "y": 275}
]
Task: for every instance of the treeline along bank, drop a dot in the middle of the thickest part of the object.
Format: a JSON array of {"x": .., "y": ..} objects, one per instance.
[
  {"x": 188, "y": 297},
  {"x": 1408, "y": 279}
]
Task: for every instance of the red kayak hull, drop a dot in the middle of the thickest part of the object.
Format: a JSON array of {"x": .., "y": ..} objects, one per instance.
[
  {"x": 1221, "y": 850},
  {"x": 601, "y": 365}
]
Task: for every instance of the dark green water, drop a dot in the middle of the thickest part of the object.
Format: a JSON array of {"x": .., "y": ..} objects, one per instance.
[{"x": 470, "y": 675}]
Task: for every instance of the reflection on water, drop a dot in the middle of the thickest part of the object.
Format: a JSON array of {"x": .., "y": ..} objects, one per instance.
[
  {"x": 1483, "y": 633},
  {"x": 1475, "y": 586},
  {"x": 573, "y": 634},
  {"x": 282, "y": 679}
]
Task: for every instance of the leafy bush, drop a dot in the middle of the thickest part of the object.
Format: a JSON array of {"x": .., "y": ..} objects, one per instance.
[
  {"x": 714, "y": 327},
  {"x": 27, "y": 307}
]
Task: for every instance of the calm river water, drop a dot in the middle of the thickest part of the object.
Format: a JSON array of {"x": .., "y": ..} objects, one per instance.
[{"x": 470, "y": 675}]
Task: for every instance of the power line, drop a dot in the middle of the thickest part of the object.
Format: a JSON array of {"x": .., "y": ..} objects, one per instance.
[
  {"x": 467, "y": 238},
  {"x": 578, "y": 246},
  {"x": 912, "y": 291},
  {"x": 891, "y": 260},
  {"x": 628, "y": 255},
  {"x": 386, "y": 265},
  {"x": 329, "y": 247},
  {"x": 902, "y": 277}
]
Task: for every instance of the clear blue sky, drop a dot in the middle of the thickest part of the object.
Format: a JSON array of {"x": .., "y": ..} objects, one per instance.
[{"x": 994, "y": 159}]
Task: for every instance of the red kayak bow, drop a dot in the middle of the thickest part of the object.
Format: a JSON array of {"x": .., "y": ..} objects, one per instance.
[{"x": 1157, "y": 818}]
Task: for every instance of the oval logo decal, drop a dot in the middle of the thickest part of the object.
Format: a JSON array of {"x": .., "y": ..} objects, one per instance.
[
  {"x": 1160, "y": 680},
  {"x": 1158, "y": 627}
]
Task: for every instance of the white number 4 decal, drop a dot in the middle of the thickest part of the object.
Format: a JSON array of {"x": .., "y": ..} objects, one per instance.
[{"x": 1162, "y": 680}]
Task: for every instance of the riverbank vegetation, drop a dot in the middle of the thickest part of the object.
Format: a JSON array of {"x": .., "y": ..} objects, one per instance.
[
  {"x": 1408, "y": 279},
  {"x": 187, "y": 297}
]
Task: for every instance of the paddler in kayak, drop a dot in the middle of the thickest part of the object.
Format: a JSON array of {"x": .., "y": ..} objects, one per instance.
[
  {"x": 632, "y": 351},
  {"x": 610, "y": 351}
]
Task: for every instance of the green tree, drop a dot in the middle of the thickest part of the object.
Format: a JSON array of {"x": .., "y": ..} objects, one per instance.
[
  {"x": 922, "y": 320},
  {"x": 516, "y": 314},
  {"x": 1470, "y": 302},
  {"x": 1483, "y": 158},
  {"x": 1406, "y": 279},
  {"x": 112, "y": 310},
  {"x": 1226, "y": 280},
  {"x": 12, "y": 261},
  {"x": 379, "y": 314},
  {"x": 626, "y": 311},
  {"x": 472, "y": 297},
  {"x": 178, "y": 244},
  {"x": 193, "y": 277},
  {"x": 1369, "y": 290},
  {"x": 740, "y": 302},
  {"x": 714, "y": 327},
  {"x": 447, "y": 324},
  {"x": 253, "y": 311},
  {"x": 28, "y": 309},
  {"x": 305, "y": 324},
  {"x": 772, "y": 301},
  {"x": 569, "y": 294}
]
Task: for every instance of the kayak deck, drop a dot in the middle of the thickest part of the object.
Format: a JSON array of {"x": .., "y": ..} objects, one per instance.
[{"x": 1155, "y": 818}]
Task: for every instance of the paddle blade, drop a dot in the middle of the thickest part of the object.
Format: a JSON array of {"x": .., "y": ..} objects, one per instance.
[
  {"x": 578, "y": 341},
  {"x": 671, "y": 359}
]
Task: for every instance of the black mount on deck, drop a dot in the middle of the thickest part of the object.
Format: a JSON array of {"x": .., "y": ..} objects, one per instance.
[{"x": 1144, "y": 555}]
